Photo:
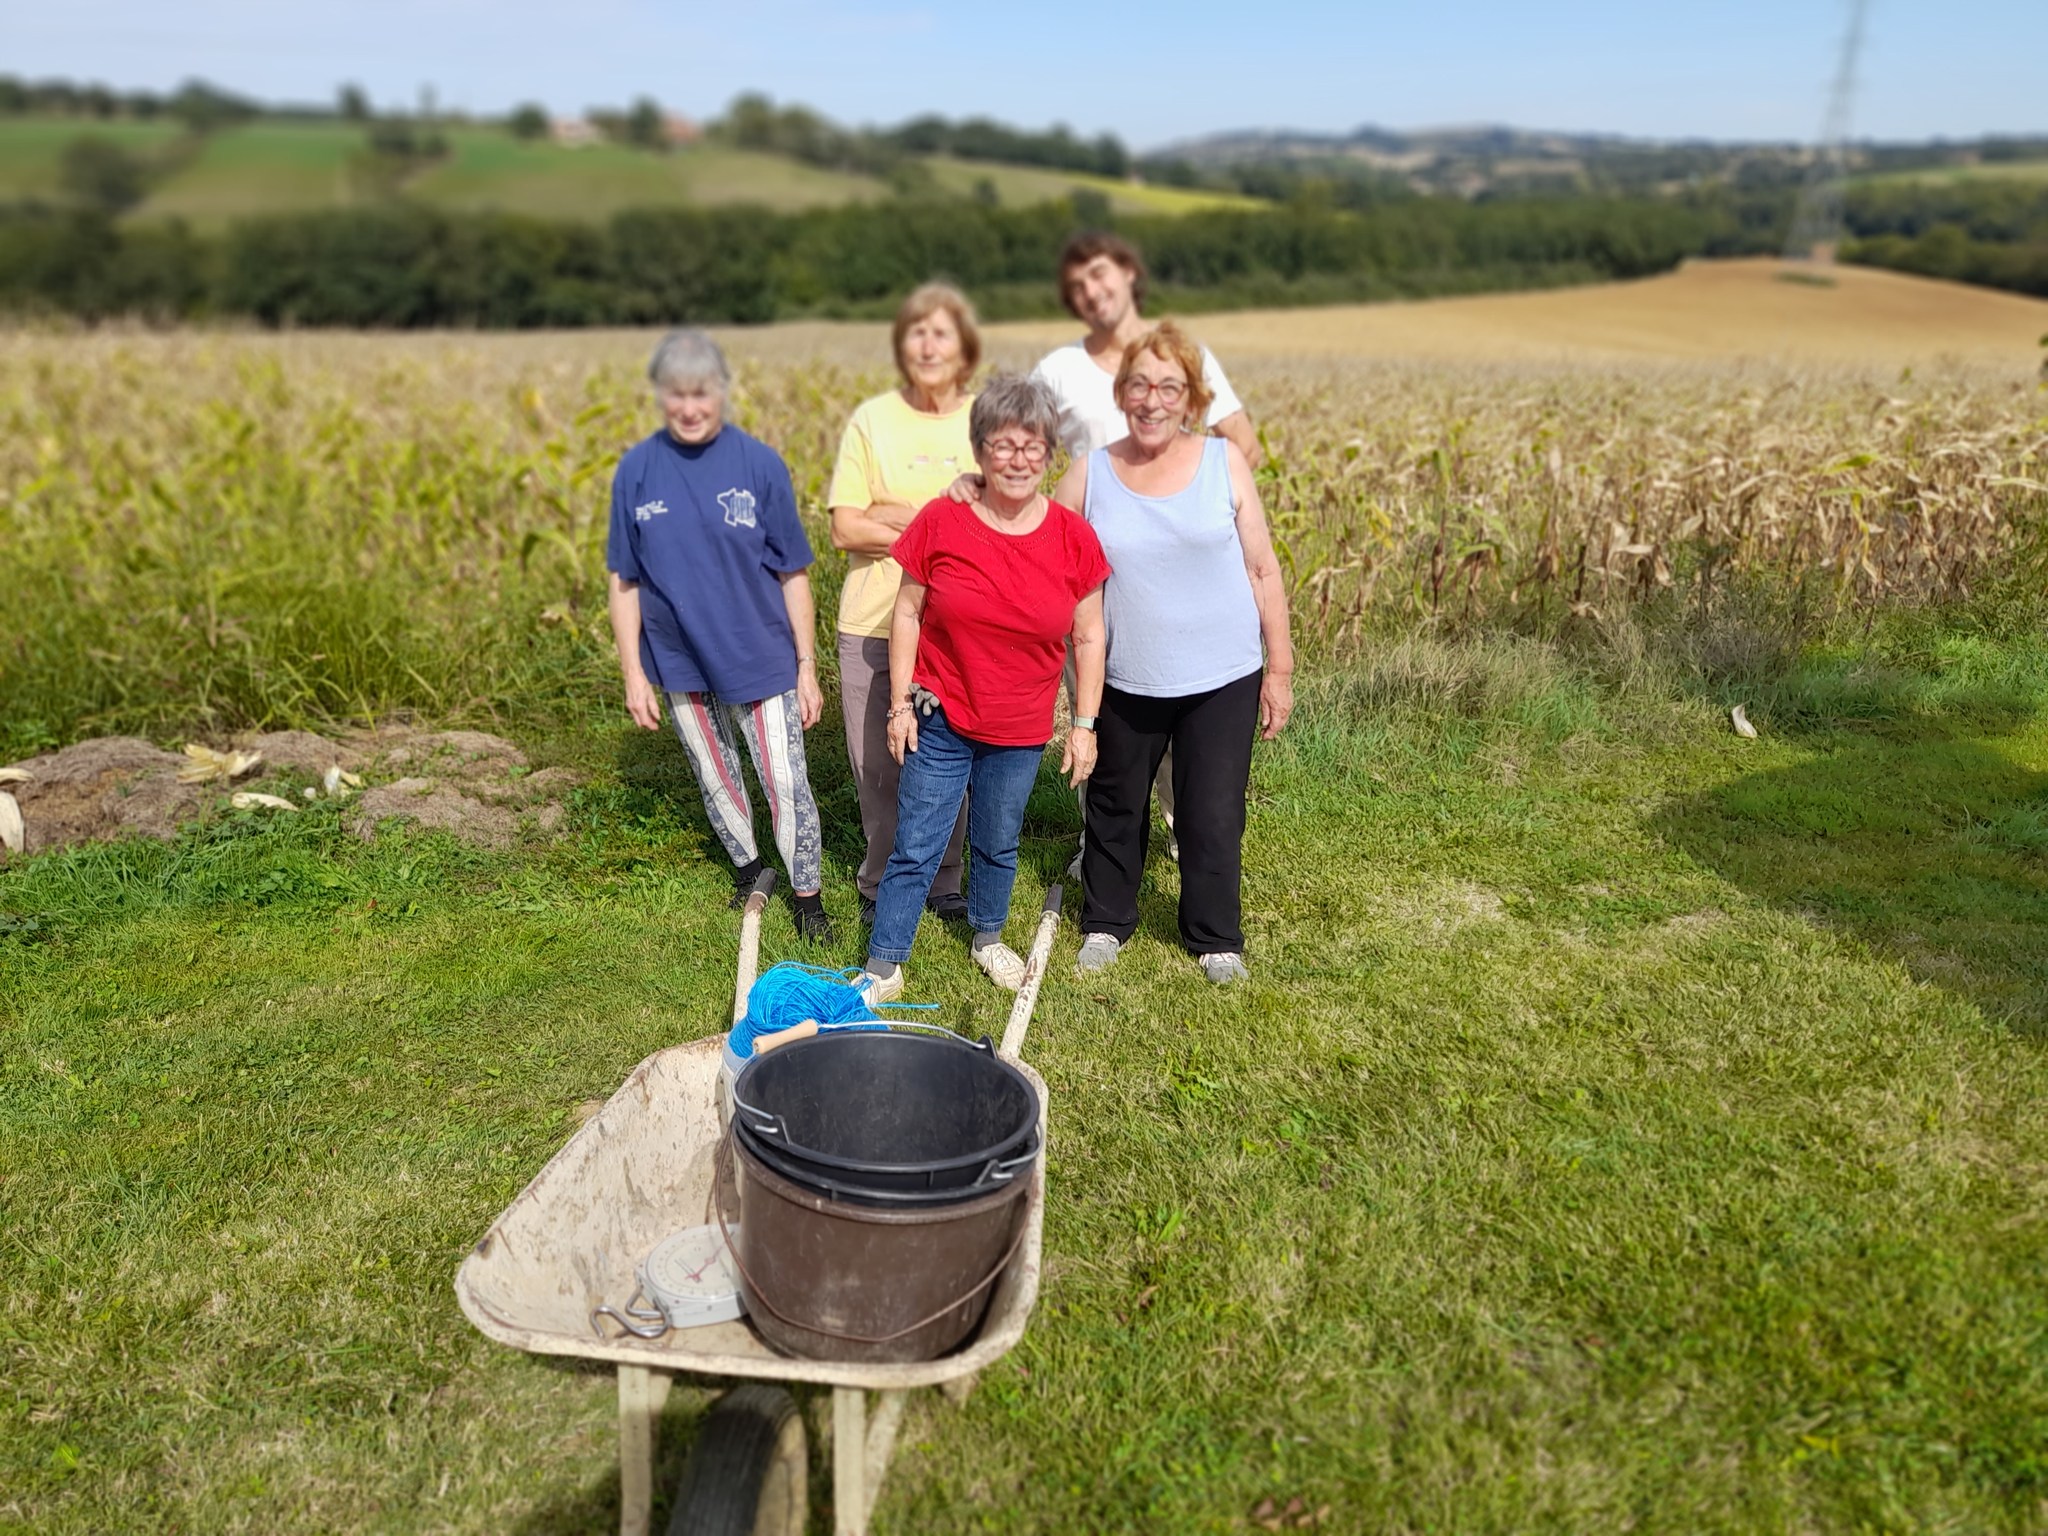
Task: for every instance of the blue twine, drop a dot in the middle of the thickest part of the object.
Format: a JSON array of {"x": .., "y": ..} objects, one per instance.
[{"x": 785, "y": 995}]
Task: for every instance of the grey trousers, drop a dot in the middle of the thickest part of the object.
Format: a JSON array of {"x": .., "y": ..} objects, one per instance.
[{"x": 864, "y": 701}]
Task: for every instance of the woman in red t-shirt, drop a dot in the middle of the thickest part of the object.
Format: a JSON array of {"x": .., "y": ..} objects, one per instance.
[{"x": 992, "y": 592}]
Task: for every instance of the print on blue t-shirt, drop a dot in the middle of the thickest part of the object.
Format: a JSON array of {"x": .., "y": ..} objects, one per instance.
[{"x": 703, "y": 530}]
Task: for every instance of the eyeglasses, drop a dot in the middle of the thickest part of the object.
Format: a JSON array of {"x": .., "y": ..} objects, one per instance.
[
  {"x": 1170, "y": 393},
  {"x": 1018, "y": 453}
]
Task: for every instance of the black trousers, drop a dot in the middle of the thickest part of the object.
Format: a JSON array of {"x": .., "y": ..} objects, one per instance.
[{"x": 1211, "y": 736}]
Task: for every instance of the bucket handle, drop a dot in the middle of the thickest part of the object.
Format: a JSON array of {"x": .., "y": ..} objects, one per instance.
[
  {"x": 1001, "y": 1171},
  {"x": 718, "y": 1182}
]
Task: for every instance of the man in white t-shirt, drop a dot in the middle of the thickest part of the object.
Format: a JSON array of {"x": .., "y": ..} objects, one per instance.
[{"x": 1102, "y": 284}]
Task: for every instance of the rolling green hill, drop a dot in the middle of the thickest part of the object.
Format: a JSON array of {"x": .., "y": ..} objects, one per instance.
[
  {"x": 1947, "y": 175},
  {"x": 263, "y": 168},
  {"x": 488, "y": 169},
  {"x": 32, "y": 148},
  {"x": 275, "y": 166},
  {"x": 1018, "y": 185}
]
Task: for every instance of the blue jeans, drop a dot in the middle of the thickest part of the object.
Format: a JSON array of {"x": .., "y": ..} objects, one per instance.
[{"x": 942, "y": 769}]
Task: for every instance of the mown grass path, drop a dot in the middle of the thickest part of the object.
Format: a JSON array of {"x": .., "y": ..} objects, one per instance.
[{"x": 1627, "y": 1127}]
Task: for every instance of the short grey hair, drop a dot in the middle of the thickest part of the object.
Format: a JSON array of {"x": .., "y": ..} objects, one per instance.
[
  {"x": 689, "y": 357},
  {"x": 1017, "y": 400}
]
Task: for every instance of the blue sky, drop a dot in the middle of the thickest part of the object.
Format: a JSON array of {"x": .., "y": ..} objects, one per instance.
[{"x": 1726, "y": 69}]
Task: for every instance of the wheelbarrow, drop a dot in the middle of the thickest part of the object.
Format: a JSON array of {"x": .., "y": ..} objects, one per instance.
[{"x": 633, "y": 1173}]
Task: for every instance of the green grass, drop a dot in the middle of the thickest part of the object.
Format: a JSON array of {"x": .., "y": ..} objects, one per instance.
[
  {"x": 1997, "y": 170},
  {"x": 490, "y": 169},
  {"x": 1628, "y": 1127},
  {"x": 32, "y": 150},
  {"x": 263, "y": 168},
  {"x": 1024, "y": 184}
]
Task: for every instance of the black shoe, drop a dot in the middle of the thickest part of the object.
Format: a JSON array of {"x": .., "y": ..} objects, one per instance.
[
  {"x": 812, "y": 924},
  {"x": 743, "y": 878},
  {"x": 867, "y": 911},
  {"x": 948, "y": 909}
]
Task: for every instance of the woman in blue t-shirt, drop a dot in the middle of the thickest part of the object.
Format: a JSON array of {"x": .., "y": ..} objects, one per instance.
[{"x": 710, "y": 604}]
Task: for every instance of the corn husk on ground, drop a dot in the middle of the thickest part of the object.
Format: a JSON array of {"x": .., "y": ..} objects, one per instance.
[
  {"x": 210, "y": 766},
  {"x": 253, "y": 800}
]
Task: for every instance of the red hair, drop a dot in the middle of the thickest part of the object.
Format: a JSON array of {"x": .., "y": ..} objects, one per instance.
[{"x": 1169, "y": 343}]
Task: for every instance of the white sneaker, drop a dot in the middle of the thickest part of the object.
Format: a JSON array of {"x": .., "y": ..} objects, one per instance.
[
  {"x": 1005, "y": 967},
  {"x": 880, "y": 989},
  {"x": 1225, "y": 967},
  {"x": 1074, "y": 865},
  {"x": 1098, "y": 952}
]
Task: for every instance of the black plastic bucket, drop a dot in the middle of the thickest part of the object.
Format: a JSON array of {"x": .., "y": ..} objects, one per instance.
[
  {"x": 993, "y": 1176},
  {"x": 890, "y": 1112},
  {"x": 831, "y": 1280}
]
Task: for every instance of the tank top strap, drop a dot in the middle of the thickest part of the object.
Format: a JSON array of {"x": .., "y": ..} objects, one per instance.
[
  {"x": 1098, "y": 466},
  {"x": 1214, "y": 475}
]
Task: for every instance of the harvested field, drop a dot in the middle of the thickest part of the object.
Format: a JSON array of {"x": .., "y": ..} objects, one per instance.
[{"x": 1707, "y": 310}]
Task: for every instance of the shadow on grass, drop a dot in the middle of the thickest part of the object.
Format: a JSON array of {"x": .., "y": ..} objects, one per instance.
[
  {"x": 593, "y": 1508},
  {"x": 1923, "y": 838}
]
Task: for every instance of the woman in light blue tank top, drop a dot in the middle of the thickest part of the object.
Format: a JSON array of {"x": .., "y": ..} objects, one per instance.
[{"x": 1199, "y": 661}]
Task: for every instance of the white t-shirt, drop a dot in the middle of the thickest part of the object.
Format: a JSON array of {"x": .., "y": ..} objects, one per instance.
[{"x": 1090, "y": 417}]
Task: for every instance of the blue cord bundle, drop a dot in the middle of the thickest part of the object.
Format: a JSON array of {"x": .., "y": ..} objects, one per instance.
[{"x": 785, "y": 995}]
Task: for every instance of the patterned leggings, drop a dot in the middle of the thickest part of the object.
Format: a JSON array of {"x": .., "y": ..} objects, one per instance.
[{"x": 711, "y": 731}]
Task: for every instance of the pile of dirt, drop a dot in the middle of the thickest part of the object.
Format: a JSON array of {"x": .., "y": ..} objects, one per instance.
[
  {"x": 466, "y": 782},
  {"x": 109, "y": 787},
  {"x": 474, "y": 785}
]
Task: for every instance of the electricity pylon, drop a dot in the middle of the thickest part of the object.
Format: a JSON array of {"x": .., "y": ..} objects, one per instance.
[{"x": 1817, "y": 222}]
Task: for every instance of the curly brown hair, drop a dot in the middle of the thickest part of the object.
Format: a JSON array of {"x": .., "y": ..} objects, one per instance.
[{"x": 1085, "y": 247}]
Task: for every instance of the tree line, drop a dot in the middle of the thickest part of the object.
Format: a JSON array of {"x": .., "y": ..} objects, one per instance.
[
  {"x": 406, "y": 266},
  {"x": 1993, "y": 231}
]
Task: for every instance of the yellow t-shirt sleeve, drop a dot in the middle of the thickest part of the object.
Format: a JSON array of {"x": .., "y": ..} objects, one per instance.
[{"x": 853, "y": 475}]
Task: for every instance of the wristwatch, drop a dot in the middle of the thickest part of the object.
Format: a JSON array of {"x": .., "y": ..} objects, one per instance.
[{"x": 1084, "y": 722}]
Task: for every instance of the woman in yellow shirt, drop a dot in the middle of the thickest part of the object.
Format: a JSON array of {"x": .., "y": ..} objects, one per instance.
[{"x": 901, "y": 450}]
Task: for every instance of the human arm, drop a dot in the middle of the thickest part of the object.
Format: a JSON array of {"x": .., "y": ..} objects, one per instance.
[
  {"x": 869, "y": 530},
  {"x": 1262, "y": 567},
  {"x": 865, "y": 521},
  {"x": 905, "y": 625},
  {"x": 1228, "y": 419},
  {"x": 803, "y": 625},
  {"x": 1072, "y": 491},
  {"x": 1237, "y": 429},
  {"x": 623, "y": 602},
  {"x": 1077, "y": 759}
]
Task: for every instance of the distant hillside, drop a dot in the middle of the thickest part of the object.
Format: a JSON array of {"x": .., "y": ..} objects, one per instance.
[
  {"x": 1469, "y": 161},
  {"x": 272, "y": 165}
]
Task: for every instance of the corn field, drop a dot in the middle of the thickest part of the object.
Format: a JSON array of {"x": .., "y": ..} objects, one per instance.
[{"x": 222, "y": 531}]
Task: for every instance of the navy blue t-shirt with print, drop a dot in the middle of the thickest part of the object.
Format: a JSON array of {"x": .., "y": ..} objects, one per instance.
[{"x": 703, "y": 530}]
